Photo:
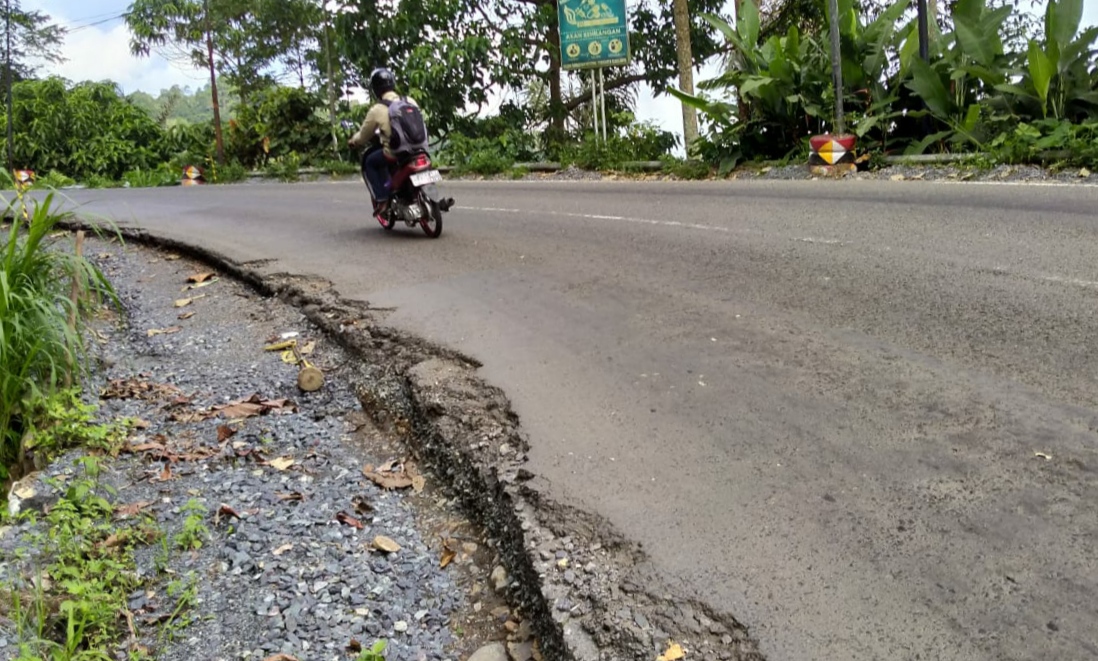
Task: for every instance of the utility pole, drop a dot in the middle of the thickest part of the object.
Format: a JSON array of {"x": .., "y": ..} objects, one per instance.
[
  {"x": 11, "y": 84},
  {"x": 331, "y": 81},
  {"x": 685, "y": 53},
  {"x": 837, "y": 66},
  {"x": 213, "y": 85},
  {"x": 924, "y": 52}
]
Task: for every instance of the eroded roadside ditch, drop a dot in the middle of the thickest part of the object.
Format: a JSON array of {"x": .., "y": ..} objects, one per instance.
[{"x": 588, "y": 593}]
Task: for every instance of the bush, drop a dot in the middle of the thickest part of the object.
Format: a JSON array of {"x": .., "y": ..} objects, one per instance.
[
  {"x": 287, "y": 168},
  {"x": 165, "y": 175},
  {"x": 277, "y": 123},
  {"x": 38, "y": 346},
  {"x": 84, "y": 130},
  {"x": 230, "y": 173}
]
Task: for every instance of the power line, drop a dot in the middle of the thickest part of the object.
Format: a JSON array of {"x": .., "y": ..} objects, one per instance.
[{"x": 101, "y": 21}]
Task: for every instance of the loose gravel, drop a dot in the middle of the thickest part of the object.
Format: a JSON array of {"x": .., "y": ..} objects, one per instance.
[{"x": 289, "y": 563}]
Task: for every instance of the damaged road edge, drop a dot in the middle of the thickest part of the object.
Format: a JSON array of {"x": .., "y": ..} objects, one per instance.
[{"x": 589, "y": 593}]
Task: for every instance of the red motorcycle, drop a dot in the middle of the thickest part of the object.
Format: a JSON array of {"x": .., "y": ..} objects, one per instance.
[{"x": 414, "y": 197}]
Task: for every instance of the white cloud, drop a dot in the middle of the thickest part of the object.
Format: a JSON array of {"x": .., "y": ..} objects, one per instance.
[{"x": 104, "y": 54}]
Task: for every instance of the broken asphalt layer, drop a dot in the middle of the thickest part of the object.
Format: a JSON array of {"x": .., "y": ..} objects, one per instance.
[{"x": 588, "y": 593}]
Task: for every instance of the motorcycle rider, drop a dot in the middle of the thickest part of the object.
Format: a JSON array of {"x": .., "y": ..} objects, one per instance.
[{"x": 376, "y": 164}]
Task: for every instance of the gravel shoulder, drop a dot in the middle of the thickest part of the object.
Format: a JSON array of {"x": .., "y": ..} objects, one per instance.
[{"x": 273, "y": 539}]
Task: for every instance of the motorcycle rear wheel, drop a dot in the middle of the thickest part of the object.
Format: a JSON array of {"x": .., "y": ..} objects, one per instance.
[{"x": 432, "y": 222}]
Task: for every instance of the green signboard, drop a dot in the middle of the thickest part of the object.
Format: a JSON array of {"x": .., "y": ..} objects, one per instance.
[{"x": 593, "y": 33}]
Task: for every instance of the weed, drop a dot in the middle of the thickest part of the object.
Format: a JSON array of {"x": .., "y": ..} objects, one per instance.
[
  {"x": 287, "y": 168},
  {"x": 40, "y": 325},
  {"x": 194, "y": 531},
  {"x": 230, "y": 173},
  {"x": 340, "y": 168},
  {"x": 375, "y": 653},
  {"x": 99, "y": 181},
  {"x": 164, "y": 175}
]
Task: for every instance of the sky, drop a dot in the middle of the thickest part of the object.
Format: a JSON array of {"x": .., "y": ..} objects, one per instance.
[{"x": 98, "y": 48}]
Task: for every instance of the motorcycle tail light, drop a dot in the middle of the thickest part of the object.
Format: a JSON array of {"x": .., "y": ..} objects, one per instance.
[{"x": 421, "y": 161}]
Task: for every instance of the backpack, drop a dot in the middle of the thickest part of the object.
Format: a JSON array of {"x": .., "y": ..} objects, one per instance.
[{"x": 409, "y": 132}]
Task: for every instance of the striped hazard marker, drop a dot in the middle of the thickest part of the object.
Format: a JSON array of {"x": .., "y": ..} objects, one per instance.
[
  {"x": 832, "y": 153},
  {"x": 193, "y": 176}
]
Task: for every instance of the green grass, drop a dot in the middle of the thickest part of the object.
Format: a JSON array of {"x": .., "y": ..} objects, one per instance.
[{"x": 41, "y": 343}]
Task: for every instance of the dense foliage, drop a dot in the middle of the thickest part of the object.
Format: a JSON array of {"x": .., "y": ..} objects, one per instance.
[{"x": 981, "y": 89}]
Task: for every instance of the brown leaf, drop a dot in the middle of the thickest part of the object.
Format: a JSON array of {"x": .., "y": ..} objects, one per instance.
[
  {"x": 383, "y": 543},
  {"x": 131, "y": 509},
  {"x": 281, "y": 464},
  {"x": 354, "y": 647},
  {"x": 171, "y": 258},
  {"x": 145, "y": 447},
  {"x": 386, "y": 478},
  {"x": 296, "y": 496},
  {"x": 137, "y": 389},
  {"x": 199, "y": 278},
  {"x": 281, "y": 656},
  {"x": 153, "y": 332},
  {"x": 186, "y": 315},
  {"x": 224, "y": 433},
  {"x": 183, "y": 302},
  {"x": 225, "y": 510},
  {"x": 348, "y": 520},
  {"x": 115, "y": 540},
  {"x": 166, "y": 474},
  {"x": 418, "y": 483},
  {"x": 448, "y": 555},
  {"x": 308, "y": 349},
  {"x": 362, "y": 505},
  {"x": 283, "y": 549}
]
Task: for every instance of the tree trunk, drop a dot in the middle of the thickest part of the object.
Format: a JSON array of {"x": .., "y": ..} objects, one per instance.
[
  {"x": 557, "y": 113},
  {"x": 331, "y": 84},
  {"x": 836, "y": 66},
  {"x": 213, "y": 87},
  {"x": 686, "y": 72}
]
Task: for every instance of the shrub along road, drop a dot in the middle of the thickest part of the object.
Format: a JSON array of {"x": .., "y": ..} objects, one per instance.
[{"x": 860, "y": 416}]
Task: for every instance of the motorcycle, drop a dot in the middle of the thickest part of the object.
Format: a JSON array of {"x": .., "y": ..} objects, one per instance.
[{"x": 414, "y": 198}]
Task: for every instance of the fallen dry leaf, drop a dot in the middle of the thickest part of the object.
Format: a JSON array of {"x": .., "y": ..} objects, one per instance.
[
  {"x": 308, "y": 349},
  {"x": 183, "y": 302},
  {"x": 391, "y": 475},
  {"x": 348, "y": 520},
  {"x": 282, "y": 463},
  {"x": 115, "y": 540},
  {"x": 145, "y": 447},
  {"x": 281, "y": 656},
  {"x": 253, "y": 406},
  {"x": 185, "y": 316},
  {"x": 131, "y": 509},
  {"x": 296, "y": 496},
  {"x": 199, "y": 278},
  {"x": 137, "y": 389},
  {"x": 153, "y": 332},
  {"x": 227, "y": 511},
  {"x": 166, "y": 474},
  {"x": 448, "y": 555},
  {"x": 283, "y": 549},
  {"x": 354, "y": 647},
  {"x": 224, "y": 433},
  {"x": 171, "y": 258},
  {"x": 363, "y": 506},
  {"x": 383, "y": 543},
  {"x": 674, "y": 653},
  {"x": 418, "y": 483}
]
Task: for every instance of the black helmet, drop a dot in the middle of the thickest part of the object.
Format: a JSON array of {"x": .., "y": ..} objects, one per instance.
[{"x": 381, "y": 81}]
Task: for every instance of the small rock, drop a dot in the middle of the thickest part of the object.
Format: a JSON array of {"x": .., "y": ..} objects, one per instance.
[
  {"x": 505, "y": 449},
  {"x": 492, "y": 652},
  {"x": 521, "y": 651},
  {"x": 400, "y": 626},
  {"x": 499, "y": 579},
  {"x": 726, "y": 639},
  {"x": 897, "y": 177}
]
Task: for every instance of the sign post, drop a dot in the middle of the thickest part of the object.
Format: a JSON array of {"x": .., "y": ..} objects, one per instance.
[{"x": 594, "y": 34}]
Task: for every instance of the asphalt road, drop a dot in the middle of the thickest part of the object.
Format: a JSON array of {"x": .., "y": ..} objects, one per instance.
[{"x": 818, "y": 404}]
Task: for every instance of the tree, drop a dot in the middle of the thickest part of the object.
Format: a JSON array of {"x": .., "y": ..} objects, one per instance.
[
  {"x": 28, "y": 36},
  {"x": 156, "y": 23},
  {"x": 686, "y": 72}
]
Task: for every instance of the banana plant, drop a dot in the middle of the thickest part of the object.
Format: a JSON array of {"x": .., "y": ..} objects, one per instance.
[{"x": 1056, "y": 79}]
